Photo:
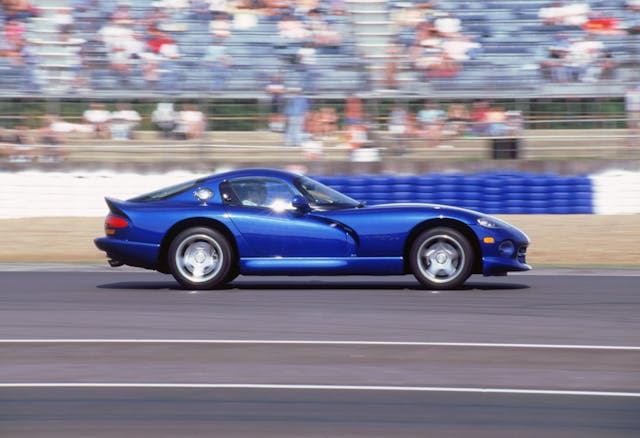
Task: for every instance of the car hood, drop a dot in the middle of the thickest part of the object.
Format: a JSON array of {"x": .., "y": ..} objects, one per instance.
[{"x": 428, "y": 209}]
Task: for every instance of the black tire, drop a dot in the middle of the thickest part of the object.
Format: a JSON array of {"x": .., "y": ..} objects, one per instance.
[
  {"x": 441, "y": 258},
  {"x": 201, "y": 258}
]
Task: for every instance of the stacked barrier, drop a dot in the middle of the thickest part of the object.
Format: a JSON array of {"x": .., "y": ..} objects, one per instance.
[
  {"x": 82, "y": 193},
  {"x": 490, "y": 192}
]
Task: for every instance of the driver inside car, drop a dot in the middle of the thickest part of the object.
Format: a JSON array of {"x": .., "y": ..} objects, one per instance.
[{"x": 256, "y": 195}]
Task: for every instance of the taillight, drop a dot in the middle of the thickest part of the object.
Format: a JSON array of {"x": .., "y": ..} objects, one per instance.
[{"x": 112, "y": 222}]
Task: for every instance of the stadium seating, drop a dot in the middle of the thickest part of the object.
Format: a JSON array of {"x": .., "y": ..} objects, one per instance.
[{"x": 512, "y": 37}]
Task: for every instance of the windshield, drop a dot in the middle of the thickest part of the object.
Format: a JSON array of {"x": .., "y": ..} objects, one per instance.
[{"x": 322, "y": 197}]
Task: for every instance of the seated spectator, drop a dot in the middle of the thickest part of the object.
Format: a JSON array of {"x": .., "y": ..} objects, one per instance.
[
  {"x": 600, "y": 24},
  {"x": 98, "y": 118},
  {"x": 461, "y": 48},
  {"x": 306, "y": 61},
  {"x": 632, "y": 5},
  {"x": 632, "y": 19},
  {"x": 446, "y": 25},
  {"x": 14, "y": 32},
  {"x": 583, "y": 60},
  {"x": 392, "y": 66},
  {"x": 63, "y": 20},
  {"x": 190, "y": 123},
  {"x": 220, "y": 27},
  {"x": 293, "y": 30},
  {"x": 164, "y": 117},
  {"x": 556, "y": 63},
  {"x": 322, "y": 33},
  {"x": 19, "y": 10},
  {"x": 123, "y": 122},
  {"x": 218, "y": 61},
  {"x": 124, "y": 47},
  {"x": 564, "y": 14}
]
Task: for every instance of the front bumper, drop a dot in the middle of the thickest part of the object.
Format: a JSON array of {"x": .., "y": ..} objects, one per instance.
[{"x": 496, "y": 263}]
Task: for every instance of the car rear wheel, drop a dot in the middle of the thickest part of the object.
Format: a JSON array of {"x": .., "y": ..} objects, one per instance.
[
  {"x": 441, "y": 258},
  {"x": 201, "y": 258}
]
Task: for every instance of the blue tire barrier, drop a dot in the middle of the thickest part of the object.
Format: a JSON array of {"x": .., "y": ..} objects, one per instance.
[{"x": 501, "y": 192}]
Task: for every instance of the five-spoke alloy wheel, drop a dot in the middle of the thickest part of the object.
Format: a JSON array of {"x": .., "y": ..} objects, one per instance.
[
  {"x": 201, "y": 258},
  {"x": 441, "y": 258}
]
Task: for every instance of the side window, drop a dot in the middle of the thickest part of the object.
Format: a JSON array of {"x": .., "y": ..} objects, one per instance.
[{"x": 257, "y": 192}]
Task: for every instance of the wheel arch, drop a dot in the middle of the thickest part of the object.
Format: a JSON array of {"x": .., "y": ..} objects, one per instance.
[
  {"x": 178, "y": 227},
  {"x": 449, "y": 223}
]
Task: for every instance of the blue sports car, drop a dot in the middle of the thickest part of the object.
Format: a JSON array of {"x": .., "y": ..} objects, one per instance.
[{"x": 270, "y": 222}]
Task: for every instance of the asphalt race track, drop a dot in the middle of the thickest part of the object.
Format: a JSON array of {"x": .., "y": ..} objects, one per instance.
[{"x": 116, "y": 353}]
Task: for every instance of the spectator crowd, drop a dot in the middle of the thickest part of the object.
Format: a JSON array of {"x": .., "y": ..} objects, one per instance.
[{"x": 152, "y": 45}]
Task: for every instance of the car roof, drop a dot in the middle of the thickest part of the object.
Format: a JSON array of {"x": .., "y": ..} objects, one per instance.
[{"x": 254, "y": 172}]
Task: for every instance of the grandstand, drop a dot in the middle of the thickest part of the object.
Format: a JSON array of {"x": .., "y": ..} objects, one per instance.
[
  {"x": 71, "y": 48},
  {"x": 59, "y": 56}
]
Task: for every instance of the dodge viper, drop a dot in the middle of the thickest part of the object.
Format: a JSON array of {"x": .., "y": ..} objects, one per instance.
[{"x": 208, "y": 231}]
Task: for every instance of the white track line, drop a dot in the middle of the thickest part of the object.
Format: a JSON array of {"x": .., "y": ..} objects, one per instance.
[
  {"x": 319, "y": 342},
  {"x": 72, "y": 385}
]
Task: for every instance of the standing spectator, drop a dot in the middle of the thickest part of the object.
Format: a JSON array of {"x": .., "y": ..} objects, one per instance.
[
  {"x": 164, "y": 117},
  {"x": 123, "y": 121},
  {"x": 497, "y": 118},
  {"x": 353, "y": 112},
  {"x": 632, "y": 108},
  {"x": 295, "y": 111},
  {"x": 276, "y": 89},
  {"x": 190, "y": 123},
  {"x": 98, "y": 117},
  {"x": 397, "y": 122},
  {"x": 328, "y": 121},
  {"x": 458, "y": 119},
  {"x": 430, "y": 116},
  {"x": 52, "y": 139},
  {"x": 479, "y": 118},
  {"x": 398, "y": 128}
]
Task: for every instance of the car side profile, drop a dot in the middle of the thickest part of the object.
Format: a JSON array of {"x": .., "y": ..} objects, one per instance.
[{"x": 208, "y": 231}]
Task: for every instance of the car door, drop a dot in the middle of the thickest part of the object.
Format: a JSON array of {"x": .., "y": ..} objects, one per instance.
[{"x": 260, "y": 208}]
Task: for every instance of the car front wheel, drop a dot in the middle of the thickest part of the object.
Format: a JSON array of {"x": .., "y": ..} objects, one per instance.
[
  {"x": 441, "y": 258},
  {"x": 201, "y": 258}
]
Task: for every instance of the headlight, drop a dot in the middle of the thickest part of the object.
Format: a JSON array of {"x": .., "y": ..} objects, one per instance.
[
  {"x": 489, "y": 223},
  {"x": 507, "y": 248}
]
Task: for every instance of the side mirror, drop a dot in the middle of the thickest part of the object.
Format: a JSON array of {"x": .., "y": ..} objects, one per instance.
[{"x": 300, "y": 204}]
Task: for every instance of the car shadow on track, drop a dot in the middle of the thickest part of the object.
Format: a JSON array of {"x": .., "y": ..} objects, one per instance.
[{"x": 299, "y": 284}]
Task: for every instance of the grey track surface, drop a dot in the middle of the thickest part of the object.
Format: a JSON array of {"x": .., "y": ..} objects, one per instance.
[{"x": 578, "y": 307}]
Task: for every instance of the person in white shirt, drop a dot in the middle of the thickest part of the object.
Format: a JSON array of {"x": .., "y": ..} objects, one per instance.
[{"x": 98, "y": 117}]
